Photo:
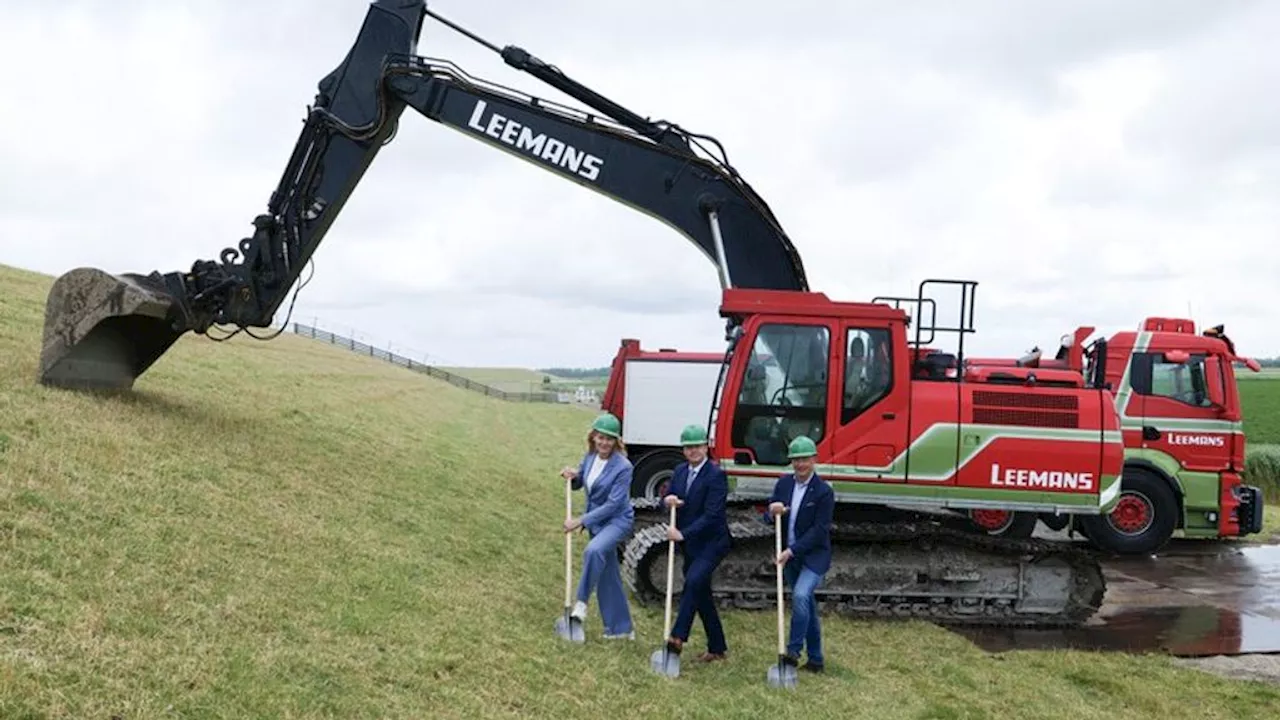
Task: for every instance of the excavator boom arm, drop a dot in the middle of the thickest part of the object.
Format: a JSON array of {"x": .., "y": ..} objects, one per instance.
[
  {"x": 105, "y": 330},
  {"x": 703, "y": 199}
]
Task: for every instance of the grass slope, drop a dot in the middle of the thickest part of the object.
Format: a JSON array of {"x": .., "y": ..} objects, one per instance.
[{"x": 285, "y": 529}]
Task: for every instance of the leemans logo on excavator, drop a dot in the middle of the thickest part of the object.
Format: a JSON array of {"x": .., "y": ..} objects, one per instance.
[
  {"x": 1040, "y": 479},
  {"x": 539, "y": 145}
]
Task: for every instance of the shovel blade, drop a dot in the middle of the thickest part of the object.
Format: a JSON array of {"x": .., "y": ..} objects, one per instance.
[
  {"x": 665, "y": 662},
  {"x": 782, "y": 675},
  {"x": 570, "y": 628}
]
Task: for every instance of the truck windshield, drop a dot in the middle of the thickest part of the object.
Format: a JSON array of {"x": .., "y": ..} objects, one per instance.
[{"x": 1184, "y": 382}]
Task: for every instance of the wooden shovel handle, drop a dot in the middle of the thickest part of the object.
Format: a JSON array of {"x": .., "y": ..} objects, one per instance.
[
  {"x": 568, "y": 542},
  {"x": 777, "y": 537},
  {"x": 671, "y": 572}
]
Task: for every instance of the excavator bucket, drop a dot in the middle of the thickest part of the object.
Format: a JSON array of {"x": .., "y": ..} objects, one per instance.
[{"x": 101, "y": 331}]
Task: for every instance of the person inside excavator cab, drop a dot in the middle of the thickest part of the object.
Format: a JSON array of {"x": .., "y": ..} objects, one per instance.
[
  {"x": 867, "y": 372},
  {"x": 854, "y": 367}
]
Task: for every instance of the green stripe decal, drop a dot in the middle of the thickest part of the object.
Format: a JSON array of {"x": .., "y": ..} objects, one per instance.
[
  {"x": 854, "y": 489},
  {"x": 759, "y": 488},
  {"x": 933, "y": 454}
]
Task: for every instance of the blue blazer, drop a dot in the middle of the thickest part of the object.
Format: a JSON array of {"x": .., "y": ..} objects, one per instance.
[
  {"x": 702, "y": 519},
  {"x": 813, "y": 520},
  {"x": 609, "y": 500}
]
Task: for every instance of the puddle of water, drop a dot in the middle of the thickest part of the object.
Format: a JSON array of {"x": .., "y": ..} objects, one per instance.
[
  {"x": 1246, "y": 580},
  {"x": 1186, "y": 631}
]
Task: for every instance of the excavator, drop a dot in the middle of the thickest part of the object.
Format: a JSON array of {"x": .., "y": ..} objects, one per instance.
[{"x": 919, "y": 437}]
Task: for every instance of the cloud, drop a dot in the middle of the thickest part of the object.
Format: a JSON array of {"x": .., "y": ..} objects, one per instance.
[{"x": 1086, "y": 163}]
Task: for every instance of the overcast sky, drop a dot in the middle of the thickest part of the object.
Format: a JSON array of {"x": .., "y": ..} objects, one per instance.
[{"x": 1087, "y": 162}]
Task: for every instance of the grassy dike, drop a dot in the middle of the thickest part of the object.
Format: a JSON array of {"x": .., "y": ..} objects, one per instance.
[{"x": 288, "y": 530}]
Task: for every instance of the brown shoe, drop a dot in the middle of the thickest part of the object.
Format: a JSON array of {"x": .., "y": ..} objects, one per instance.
[{"x": 707, "y": 657}]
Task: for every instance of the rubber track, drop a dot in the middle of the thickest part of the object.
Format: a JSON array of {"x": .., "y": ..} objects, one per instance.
[{"x": 649, "y": 541}]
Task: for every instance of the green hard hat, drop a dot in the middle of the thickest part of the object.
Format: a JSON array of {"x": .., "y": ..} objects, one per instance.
[
  {"x": 607, "y": 424},
  {"x": 802, "y": 447},
  {"x": 693, "y": 435}
]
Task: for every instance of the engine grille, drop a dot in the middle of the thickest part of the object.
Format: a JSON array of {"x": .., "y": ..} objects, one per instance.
[{"x": 993, "y": 407}]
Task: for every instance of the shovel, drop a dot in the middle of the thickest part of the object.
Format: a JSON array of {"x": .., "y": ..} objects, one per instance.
[
  {"x": 569, "y": 627},
  {"x": 667, "y": 661},
  {"x": 783, "y": 673}
]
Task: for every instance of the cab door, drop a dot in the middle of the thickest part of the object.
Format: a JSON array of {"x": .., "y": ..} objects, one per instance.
[
  {"x": 782, "y": 393},
  {"x": 1179, "y": 412},
  {"x": 869, "y": 413}
]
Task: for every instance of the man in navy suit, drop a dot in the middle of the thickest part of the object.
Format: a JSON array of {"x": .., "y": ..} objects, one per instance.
[
  {"x": 699, "y": 489},
  {"x": 809, "y": 503}
]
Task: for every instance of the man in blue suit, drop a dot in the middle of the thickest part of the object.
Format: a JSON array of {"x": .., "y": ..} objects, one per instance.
[
  {"x": 809, "y": 503},
  {"x": 699, "y": 489}
]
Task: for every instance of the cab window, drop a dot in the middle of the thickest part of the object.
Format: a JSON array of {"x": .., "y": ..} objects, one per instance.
[
  {"x": 868, "y": 370},
  {"x": 1153, "y": 376},
  {"x": 784, "y": 391}
]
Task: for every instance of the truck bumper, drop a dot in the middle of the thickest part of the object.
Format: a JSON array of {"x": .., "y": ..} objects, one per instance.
[{"x": 1249, "y": 511}]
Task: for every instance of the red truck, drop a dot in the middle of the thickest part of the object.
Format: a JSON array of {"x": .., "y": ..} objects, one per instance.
[{"x": 1175, "y": 390}]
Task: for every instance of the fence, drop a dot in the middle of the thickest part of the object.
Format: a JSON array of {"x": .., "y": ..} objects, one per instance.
[{"x": 365, "y": 349}]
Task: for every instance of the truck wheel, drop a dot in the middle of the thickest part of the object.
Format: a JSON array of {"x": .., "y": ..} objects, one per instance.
[
  {"x": 652, "y": 474},
  {"x": 1143, "y": 519},
  {"x": 1004, "y": 523}
]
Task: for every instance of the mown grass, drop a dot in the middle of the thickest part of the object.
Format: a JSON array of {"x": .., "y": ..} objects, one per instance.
[{"x": 288, "y": 530}]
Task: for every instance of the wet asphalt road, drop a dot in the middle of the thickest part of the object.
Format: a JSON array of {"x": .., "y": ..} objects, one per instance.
[{"x": 1195, "y": 599}]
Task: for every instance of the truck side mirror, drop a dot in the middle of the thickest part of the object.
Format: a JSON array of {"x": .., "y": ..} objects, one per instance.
[{"x": 1213, "y": 379}]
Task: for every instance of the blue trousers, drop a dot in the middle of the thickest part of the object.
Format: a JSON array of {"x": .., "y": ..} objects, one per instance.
[
  {"x": 806, "y": 629},
  {"x": 600, "y": 573},
  {"x": 696, "y": 598}
]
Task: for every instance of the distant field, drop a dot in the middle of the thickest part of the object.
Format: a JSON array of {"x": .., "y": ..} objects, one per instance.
[
  {"x": 508, "y": 379},
  {"x": 522, "y": 379},
  {"x": 1267, "y": 373},
  {"x": 1260, "y": 402}
]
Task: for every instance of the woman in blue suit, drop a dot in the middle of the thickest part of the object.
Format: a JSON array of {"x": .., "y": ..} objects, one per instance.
[{"x": 605, "y": 473}]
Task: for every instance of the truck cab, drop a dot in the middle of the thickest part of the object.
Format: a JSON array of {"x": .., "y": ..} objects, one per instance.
[
  {"x": 1179, "y": 405},
  {"x": 1175, "y": 391}
]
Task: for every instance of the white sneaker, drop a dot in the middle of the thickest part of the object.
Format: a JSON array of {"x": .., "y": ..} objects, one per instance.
[
  {"x": 628, "y": 636},
  {"x": 579, "y": 610}
]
